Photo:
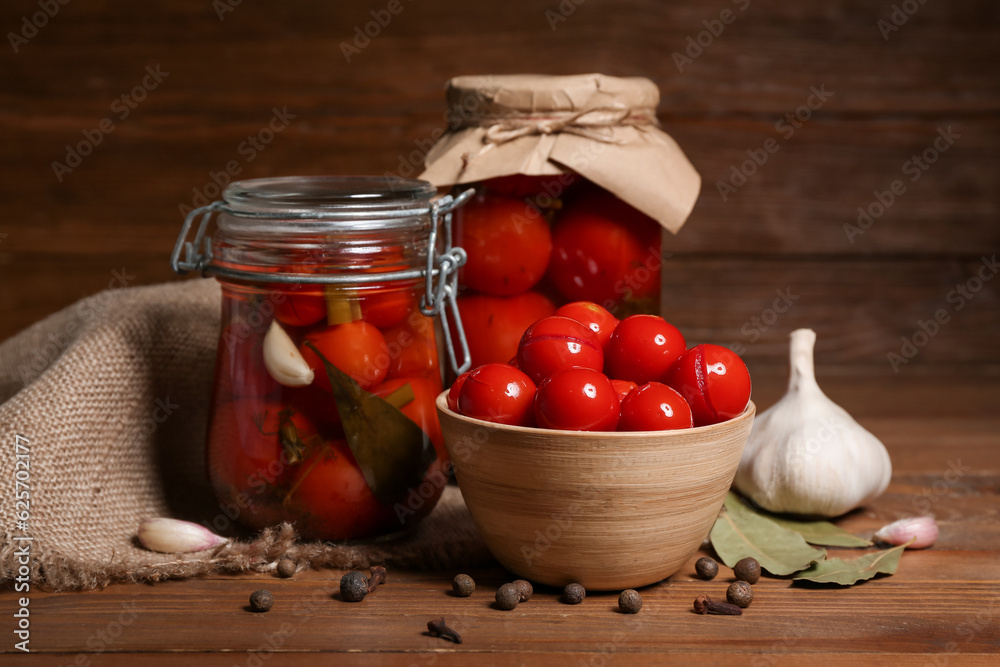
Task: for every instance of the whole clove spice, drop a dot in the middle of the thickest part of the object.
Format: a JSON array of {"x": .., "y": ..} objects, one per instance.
[
  {"x": 439, "y": 629},
  {"x": 704, "y": 605},
  {"x": 377, "y": 578}
]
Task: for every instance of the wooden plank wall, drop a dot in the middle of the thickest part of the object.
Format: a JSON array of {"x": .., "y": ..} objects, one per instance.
[{"x": 890, "y": 92}]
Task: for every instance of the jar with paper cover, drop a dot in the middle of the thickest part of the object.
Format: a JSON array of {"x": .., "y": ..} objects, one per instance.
[{"x": 576, "y": 185}]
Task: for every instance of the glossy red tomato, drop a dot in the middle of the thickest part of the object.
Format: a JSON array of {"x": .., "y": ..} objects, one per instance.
[
  {"x": 655, "y": 407},
  {"x": 421, "y": 409},
  {"x": 508, "y": 243},
  {"x": 643, "y": 348},
  {"x": 357, "y": 348},
  {"x": 388, "y": 308},
  {"x": 494, "y": 325},
  {"x": 594, "y": 317},
  {"x": 554, "y": 343},
  {"x": 456, "y": 389},
  {"x": 604, "y": 250},
  {"x": 498, "y": 393},
  {"x": 623, "y": 387},
  {"x": 553, "y": 186},
  {"x": 714, "y": 381},
  {"x": 577, "y": 399}
]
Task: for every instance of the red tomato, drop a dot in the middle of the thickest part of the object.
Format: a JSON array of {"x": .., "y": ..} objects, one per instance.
[
  {"x": 594, "y": 317},
  {"x": 421, "y": 409},
  {"x": 494, "y": 325},
  {"x": 455, "y": 390},
  {"x": 714, "y": 381},
  {"x": 643, "y": 348},
  {"x": 411, "y": 352},
  {"x": 604, "y": 250},
  {"x": 520, "y": 186},
  {"x": 655, "y": 407},
  {"x": 498, "y": 393},
  {"x": 577, "y": 399},
  {"x": 554, "y": 343},
  {"x": 333, "y": 497},
  {"x": 508, "y": 243},
  {"x": 388, "y": 308},
  {"x": 299, "y": 304},
  {"x": 623, "y": 387},
  {"x": 357, "y": 348},
  {"x": 245, "y": 455}
]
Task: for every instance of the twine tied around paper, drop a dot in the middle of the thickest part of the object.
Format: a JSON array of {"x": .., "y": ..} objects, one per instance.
[{"x": 597, "y": 124}]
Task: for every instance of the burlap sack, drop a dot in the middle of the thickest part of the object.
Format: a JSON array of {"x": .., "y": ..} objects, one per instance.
[{"x": 103, "y": 409}]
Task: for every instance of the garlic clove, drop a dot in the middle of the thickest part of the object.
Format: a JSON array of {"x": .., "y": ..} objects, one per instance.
[
  {"x": 283, "y": 360},
  {"x": 175, "y": 536},
  {"x": 923, "y": 530},
  {"x": 806, "y": 455}
]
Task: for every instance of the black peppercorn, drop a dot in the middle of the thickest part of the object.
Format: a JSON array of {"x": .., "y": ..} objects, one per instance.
[
  {"x": 748, "y": 570},
  {"x": 524, "y": 588},
  {"x": 353, "y": 586},
  {"x": 508, "y": 596},
  {"x": 740, "y": 594},
  {"x": 574, "y": 594},
  {"x": 630, "y": 602},
  {"x": 261, "y": 600},
  {"x": 463, "y": 585},
  {"x": 706, "y": 567},
  {"x": 286, "y": 568}
]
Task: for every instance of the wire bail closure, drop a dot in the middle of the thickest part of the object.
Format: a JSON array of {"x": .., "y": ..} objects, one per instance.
[{"x": 439, "y": 297}]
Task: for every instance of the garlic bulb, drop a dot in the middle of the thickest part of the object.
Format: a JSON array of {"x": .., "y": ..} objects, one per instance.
[
  {"x": 175, "y": 536},
  {"x": 805, "y": 454},
  {"x": 283, "y": 360}
]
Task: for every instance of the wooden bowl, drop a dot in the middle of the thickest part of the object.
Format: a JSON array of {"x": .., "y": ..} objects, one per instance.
[{"x": 606, "y": 510}]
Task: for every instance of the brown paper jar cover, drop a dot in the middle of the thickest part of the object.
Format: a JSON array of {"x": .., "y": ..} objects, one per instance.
[{"x": 601, "y": 127}]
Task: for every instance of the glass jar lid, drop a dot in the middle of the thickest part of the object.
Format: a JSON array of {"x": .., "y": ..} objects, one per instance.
[{"x": 354, "y": 202}]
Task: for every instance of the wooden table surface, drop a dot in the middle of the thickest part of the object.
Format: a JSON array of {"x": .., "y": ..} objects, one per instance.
[{"x": 941, "y": 608}]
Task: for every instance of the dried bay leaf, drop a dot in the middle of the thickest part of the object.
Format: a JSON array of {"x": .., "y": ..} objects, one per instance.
[
  {"x": 740, "y": 532},
  {"x": 847, "y": 572},
  {"x": 392, "y": 451},
  {"x": 821, "y": 532}
]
